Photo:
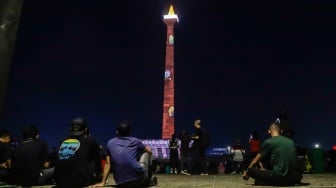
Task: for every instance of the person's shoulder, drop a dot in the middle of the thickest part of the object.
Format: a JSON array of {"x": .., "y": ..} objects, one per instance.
[
  {"x": 133, "y": 138},
  {"x": 39, "y": 142},
  {"x": 268, "y": 140}
]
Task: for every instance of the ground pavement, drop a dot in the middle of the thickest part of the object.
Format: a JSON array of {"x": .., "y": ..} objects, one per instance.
[{"x": 323, "y": 180}]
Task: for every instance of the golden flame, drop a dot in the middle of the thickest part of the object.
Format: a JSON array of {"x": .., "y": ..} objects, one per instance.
[{"x": 171, "y": 10}]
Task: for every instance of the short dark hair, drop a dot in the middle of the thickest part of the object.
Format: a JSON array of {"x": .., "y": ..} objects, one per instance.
[
  {"x": 29, "y": 131},
  {"x": 274, "y": 126},
  {"x": 124, "y": 129}
]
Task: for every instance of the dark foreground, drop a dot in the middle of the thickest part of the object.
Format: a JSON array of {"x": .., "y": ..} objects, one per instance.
[{"x": 325, "y": 180}]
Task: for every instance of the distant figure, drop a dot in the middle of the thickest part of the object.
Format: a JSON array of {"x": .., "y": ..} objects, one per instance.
[
  {"x": 30, "y": 160},
  {"x": 198, "y": 149},
  {"x": 237, "y": 152},
  {"x": 5, "y": 155},
  {"x": 284, "y": 124},
  {"x": 78, "y": 163},
  {"x": 254, "y": 143},
  {"x": 185, "y": 153},
  {"x": 129, "y": 159},
  {"x": 282, "y": 153},
  {"x": 221, "y": 168},
  {"x": 173, "y": 155}
]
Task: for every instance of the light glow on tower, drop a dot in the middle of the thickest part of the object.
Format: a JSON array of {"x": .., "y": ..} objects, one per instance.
[{"x": 171, "y": 14}]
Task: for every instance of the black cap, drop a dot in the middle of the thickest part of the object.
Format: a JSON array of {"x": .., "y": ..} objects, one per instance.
[{"x": 78, "y": 127}]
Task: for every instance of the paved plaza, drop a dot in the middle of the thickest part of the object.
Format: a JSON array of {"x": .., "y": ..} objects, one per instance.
[
  {"x": 236, "y": 181},
  {"x": 323, "y": 180}
]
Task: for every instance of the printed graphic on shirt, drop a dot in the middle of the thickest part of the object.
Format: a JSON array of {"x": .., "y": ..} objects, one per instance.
[{"x": 68, "y": 149}]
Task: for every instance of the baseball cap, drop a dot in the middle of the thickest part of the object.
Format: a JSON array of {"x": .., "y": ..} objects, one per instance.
[{"x": 78, "y": 126}]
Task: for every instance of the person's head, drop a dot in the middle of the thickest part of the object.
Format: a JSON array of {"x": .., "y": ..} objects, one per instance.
[
  {"x": 173, "y": 136},
  {"x": 124, "y": 129},
  {"x": 197, "y": 123},
  {"x": 30, "y": 132},
  {"x": 274, "y": 129},
  {"x": 78, "y": 127},
  {"x": 185, "y": 133},
  {"x": 5, "y": 136}
]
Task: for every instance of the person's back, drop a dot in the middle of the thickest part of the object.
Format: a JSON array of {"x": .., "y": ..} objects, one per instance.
[
  {"x": 29, "y": 158},
  {"x": 238, "y": 152},
  {"x": 129, "y": 160},
  {"x": 283, "y": 157},
  {"x": 125, "y": 152},
  {"x": 281, "y": 153},
  {"x": 76, "y": 155}
]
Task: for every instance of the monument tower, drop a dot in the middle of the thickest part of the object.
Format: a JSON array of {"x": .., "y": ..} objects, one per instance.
[{"x": 168, "y": 94}]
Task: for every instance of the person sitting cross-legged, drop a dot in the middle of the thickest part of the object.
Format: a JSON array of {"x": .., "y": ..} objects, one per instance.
[
  {"x": 30, "y": 160},
  {"x": 78, "y": 164},
  {"x": 281, "y": 152},
  {"x": 129, "y": 159}
]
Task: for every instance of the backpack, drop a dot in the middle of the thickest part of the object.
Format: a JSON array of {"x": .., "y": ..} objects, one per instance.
[{"x": 205, "y": 140}]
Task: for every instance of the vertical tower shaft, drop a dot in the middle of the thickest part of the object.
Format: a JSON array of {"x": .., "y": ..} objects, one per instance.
[{"x": 168, "y": 94}]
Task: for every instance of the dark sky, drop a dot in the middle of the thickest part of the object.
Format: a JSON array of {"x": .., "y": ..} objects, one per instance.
[{"x": 237, "y": 65}]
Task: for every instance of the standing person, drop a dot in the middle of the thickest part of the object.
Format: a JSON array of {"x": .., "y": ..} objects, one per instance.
[
  {"x": 173, "y": 155},
  {"x": 184, "y": 153},
  {"x": 254, "y": 143},
  {"x": 198, "y": 149},
  {"x": 30, "y": 160},
  {"x": 281, "y": 152},
  {"x": 5, "y": 155},
  {"x": 78, "y": 158},
  {"x": 238, "y": 153},
  {"x": 129, "y": 159},
  {"x": 284, "y": 123}
]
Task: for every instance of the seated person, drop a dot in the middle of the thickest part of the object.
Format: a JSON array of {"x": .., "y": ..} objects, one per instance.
[
  {"x": 30, "y": 165},
  {"x": 281, "y": 152},
  {"x": 78, "y": 163},
  {"x": 123, "y": 153}
]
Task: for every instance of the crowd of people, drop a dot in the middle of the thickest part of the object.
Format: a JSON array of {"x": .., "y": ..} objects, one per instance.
[
  {"x": 272, "y": 162},
  {"x": 77, "y": 162}
]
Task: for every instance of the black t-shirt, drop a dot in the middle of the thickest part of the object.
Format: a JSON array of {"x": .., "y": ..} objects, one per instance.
[
  {"x": 27, "y": 161},
  {"x": 197, "y": 142},
  {"x": 78, "y": 161},
  {"x": 185, "y": 140},
  {"x": 5, "y": 152}
]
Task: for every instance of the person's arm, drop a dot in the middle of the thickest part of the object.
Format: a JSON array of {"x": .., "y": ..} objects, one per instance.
[
  {"x": 106, "y": 172},
  {"x": 255, "y": 160},
  {"x": 9, "y": 163},
  {"x": 45, "y": 154},
  {"x": 195, "y": 137}
]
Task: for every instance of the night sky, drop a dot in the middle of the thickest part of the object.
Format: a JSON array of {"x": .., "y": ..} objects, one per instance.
[{"x": 237, "y": 65}]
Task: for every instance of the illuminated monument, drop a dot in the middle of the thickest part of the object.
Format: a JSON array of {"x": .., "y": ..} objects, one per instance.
[{"x": 168, "y": 94}]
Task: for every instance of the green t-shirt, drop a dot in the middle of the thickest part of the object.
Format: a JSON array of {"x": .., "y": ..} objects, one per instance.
[{"x": 281, "y": 152}]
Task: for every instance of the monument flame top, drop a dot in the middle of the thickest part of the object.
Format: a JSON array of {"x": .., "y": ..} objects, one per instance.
[{"x": 171, "y": 14}]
